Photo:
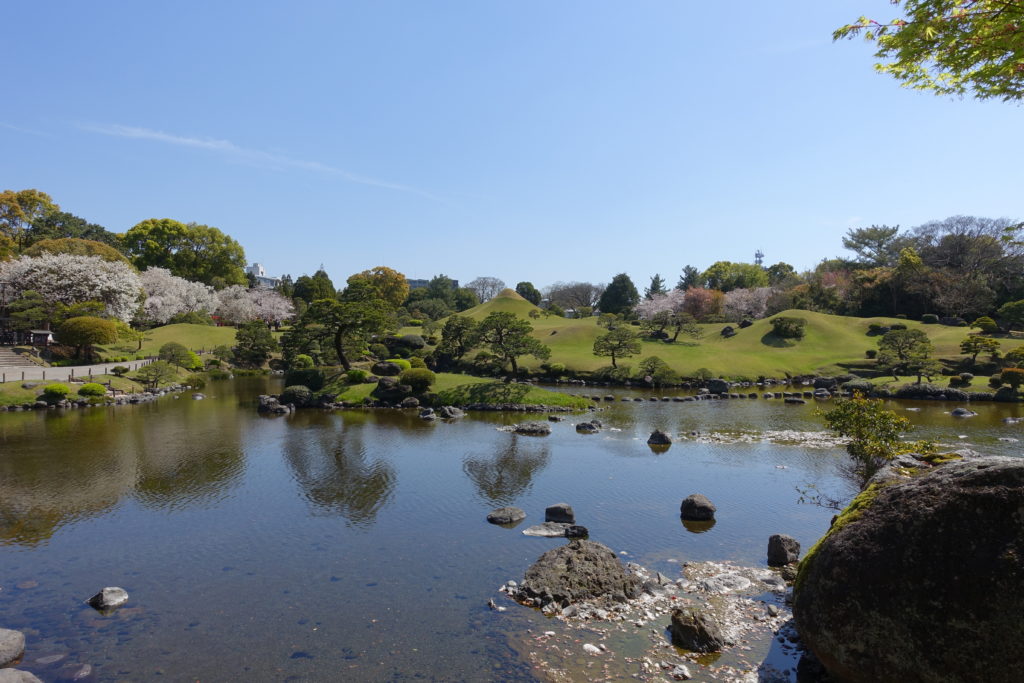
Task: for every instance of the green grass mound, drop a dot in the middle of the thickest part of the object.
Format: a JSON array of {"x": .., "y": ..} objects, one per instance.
[
  {"x": 496, "y": 393},
  {"x": 507, "y": 301}
]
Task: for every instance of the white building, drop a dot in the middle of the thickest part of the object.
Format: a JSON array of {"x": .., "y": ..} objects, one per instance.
[{"x": 262, "y": 279}]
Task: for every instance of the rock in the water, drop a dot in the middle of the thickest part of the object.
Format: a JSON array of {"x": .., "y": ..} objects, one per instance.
[
  {"x": 560, "y": 512},
  {"x": 694, "y": 630},
  {"x": 17, "y": 676},
  {"x": 962, "y": 412},
  {"x": 717, "y": 386},
  {"x": 506, "y": 515},
  {"x": 782, "y": 549},
  {"x": 659, "y": 438},
  {"x": 12, "y": 646},
  {"x": 680, "y": 673},
  {"x": 410, "y": 402},
  {"x": 197, "y": 396},
  {"x": 587, "y": 428},
  {"x": 547, "y": 530},
  {"x": 697, "y": 508},
  {"x": 450, "y": 413},
  {"x": 109, "y": 598},
  {"x": 576, "y": 531},
  {"x": 923, "y": 581},
  {"x": 428, "y": 414},
  {"x": 579, "y": 570},
  {"x": 533, "y": 428}
]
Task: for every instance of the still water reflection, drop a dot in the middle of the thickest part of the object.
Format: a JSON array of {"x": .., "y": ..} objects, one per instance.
[{"x": 352, "y": 545}]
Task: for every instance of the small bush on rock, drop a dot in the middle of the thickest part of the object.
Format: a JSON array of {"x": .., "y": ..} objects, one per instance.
[
  {"x": 400, "y": 362},
  {"x": 418, "y": 378},
  {"x": 297, "y": 394},
  {"x": 417, "y": 362},
  {"x": 930, "y": 319}
]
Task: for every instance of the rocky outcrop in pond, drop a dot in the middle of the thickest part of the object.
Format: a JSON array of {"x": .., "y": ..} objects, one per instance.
[
  {"x": 697, "y": 508},
  {"x": 12, "y": 646},
  {"x": 921, "y": 579},
  {"x": 580, "y": 570}
]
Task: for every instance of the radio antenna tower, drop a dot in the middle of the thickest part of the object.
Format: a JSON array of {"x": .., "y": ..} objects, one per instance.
[{"x": 759, "y": 257}]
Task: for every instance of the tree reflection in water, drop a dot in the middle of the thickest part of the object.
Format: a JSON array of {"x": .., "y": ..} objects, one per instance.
[
  {"x": 332, "y": 469},
  {"x": 502, "y": 478}
]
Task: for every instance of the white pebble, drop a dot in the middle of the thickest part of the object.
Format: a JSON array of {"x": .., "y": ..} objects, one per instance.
[{"x": 591, "y": 649}]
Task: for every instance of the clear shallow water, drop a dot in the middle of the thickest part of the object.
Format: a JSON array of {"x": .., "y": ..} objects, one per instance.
[{"x": 353, "y": 545}]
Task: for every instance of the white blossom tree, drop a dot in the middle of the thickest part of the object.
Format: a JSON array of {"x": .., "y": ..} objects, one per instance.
[
  {"x": 271, "y": 306},
  {"x": 746, "y": 304},
  {"x": 670, "y": 302},
  {"x": 71, "y": 279},
  {"x": 237, "y": 305},
  {"x": 168, "y": 295}
]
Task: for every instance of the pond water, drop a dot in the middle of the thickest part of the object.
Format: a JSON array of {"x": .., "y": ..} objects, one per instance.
[{"x": 352, "y": 545}]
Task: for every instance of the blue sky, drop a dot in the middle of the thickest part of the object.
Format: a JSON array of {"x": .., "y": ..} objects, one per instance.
[{"x": 529, "y": 140}]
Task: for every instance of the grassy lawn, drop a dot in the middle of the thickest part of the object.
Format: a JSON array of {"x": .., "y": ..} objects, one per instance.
[
  {"x": 195, "y": 337},
  {"x": 355, "y": 393},
  {"x": 500, "y": 392},
  {"x": 463, "y": 389},
  {"x": 12, "y": 393},
  {"x": 833, "y": 344}
]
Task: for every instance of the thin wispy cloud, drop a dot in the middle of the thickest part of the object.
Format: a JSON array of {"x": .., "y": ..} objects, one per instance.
[
  {"x": 253, "y": 157},
  {"x": 11, "y": 126}
]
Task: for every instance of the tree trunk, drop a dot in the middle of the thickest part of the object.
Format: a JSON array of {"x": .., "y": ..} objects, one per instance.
[
  {"x": 613, "y": 361},
  {"x": 340, "y": 350},
  {"x": 515, "y": 368}
]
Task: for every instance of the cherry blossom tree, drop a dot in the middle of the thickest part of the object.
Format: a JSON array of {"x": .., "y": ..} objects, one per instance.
[
  {"x": 71, "y": 279},
  {"x": 168, "y": 295},
  {"x": 749, "y": 304},
  {"x": 237, "y": 305}
]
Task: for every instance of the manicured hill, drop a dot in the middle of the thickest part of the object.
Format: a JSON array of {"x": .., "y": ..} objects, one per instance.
[
  {"x": 833, "y": 344},
  {"x": 508, "y": 301},
  {"x": 195, "y": 337}
]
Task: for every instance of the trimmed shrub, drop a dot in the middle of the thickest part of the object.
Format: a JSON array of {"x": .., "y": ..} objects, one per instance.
[
  {"x": 311, "y": 378},
  {"x": 875, "y": 329},
  {"x": 379, "y": 350},
  {"x": 400, "y": 362},
  {"x": 859, "y": 385},
  {"x": 788, "y": 328},
  {"x": 413, "y": 341},
  {"x": 119, "y": 371},
  {"x": 995, "y": 381},
  {"x": 871, "y": 353},
  {"x": 417, "y": 362},
  {"x": 356, "y": 376},
  {"x": 414, "y": 322},
  {"x": 1014, "y": 377},
  {"x": 192, "y": 318},
  {"x": 930, "y": 391},
  {"x": 297, "y": 394},
  {"x": 92, "y": 389},
  {"x": 930, "y": 319},
  {"x": 986, "y": 324},
  {"x": 55, "y": 392},
  {"x": 418, "y": 378},
  {"x": 555, "y": 369},
  {"x": 897, "y": 326},
  {"x": 302, "y": 362},
  {"x": 1005, "y": 394}
]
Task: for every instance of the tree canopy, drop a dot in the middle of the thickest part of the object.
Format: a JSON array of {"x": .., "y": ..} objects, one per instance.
[
  {"x": 508, "y": 337},
  {"x": 951, "y": 47},
  {"x": 619, "y": 296},
  {"x": 620, "y": 342},
  {"x": 529, "y": 292},
  {"x": 389, "y": 285},
  {"x": 192, "y": 251},
  {"x": 18, "y": 209}
]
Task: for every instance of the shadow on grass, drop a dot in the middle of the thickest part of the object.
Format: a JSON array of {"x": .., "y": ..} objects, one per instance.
[{"x": 772, "y": 339}]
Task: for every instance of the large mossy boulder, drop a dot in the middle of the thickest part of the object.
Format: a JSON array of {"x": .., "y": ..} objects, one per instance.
[
  {"x": 390, "y": 390},
  {"x": 921, "y": 580},
  {"x": 581, "y": 570}
]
